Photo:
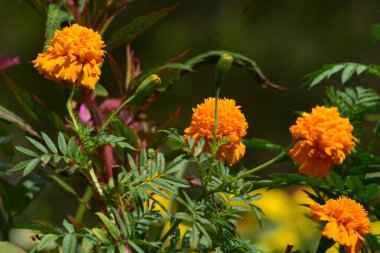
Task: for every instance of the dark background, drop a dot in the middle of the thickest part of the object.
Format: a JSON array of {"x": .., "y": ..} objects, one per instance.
[{"x": 288, "y": 39}]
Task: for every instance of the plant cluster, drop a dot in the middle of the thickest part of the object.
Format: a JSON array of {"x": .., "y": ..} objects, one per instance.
[{"x": 165, "y": 191}]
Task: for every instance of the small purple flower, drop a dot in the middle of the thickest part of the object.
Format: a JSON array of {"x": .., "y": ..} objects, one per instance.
[
  {"x": 6, "y": 62},
  {"x": 84, "y": 114}
]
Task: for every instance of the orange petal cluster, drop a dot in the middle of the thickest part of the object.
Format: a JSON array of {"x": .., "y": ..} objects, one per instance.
[
  {"x": 323, "y": 139},
  {"x": 74, "y": 55},
  {"x": 231, "y": 124},
  {"x": 346, "y": 220}
]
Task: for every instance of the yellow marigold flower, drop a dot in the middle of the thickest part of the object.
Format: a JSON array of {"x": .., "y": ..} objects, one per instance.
[
  {"x": 231, "y": 124},
  {"x": 74, "y": 55},
  {"x": 323, "y": 139},
  {"x": 346, "y": 220}
]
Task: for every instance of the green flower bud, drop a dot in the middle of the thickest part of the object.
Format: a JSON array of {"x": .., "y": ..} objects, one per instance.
[
  {"x": 223, "y": 68},
  {"x": 145, "y": 89}
]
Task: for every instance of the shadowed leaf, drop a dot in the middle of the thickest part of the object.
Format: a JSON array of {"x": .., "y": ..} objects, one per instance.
[{"x": 136, "y": 27}]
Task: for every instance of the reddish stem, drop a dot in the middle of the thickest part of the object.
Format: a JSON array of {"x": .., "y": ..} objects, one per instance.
[
  {"x": 108, "y": 161},
  {"x": 107, "y": 150}
]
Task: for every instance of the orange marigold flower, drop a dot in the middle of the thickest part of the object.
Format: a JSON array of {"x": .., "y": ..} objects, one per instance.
[
  {"x": 346, "y": 220},
  {"x": 323, "y": 139},
  {"x": 231, "y": 124},
  {"x": 74, "y": 55}
]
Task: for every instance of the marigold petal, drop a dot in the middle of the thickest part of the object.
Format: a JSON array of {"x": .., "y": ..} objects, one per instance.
[
  {"x": 74, "y": 55},
  {"x": 346, "y": 220},
  {"x": 323, "y": 139},
  {"x": 231, "y": 124}
]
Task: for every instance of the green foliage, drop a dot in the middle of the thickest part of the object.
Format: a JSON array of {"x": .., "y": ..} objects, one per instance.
[
  {"x": 130, "y": 31},
  {"x": 25, "y": 191},
  {"x": 12, "y": 118},
  {"x": 10, "y": 247},
  {"x": 55, "y": 18},
  {"x": 375, "y": 32},
  {"x": 33, "y": 106},
  {"x": 353, "y": 103},
  {"x": 347, "y": 68},
  {"x": 263, "y": 144},
  {"x": 193, "y": 63},
  {"x": 138, "y": 183},
  {"x": 69, "y": 153}
]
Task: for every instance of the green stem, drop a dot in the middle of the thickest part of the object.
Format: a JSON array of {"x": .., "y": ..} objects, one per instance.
[
  {"x": 82, "y": 208},
  {"x": 70, "y": 110},
  {"x": 115, "y": 113},
  {"x": 277, "y": 159},
  {"x": 214, "y": 149},
  {"x": 96, "y": 182},
  {"x": 214, "y": 139}
]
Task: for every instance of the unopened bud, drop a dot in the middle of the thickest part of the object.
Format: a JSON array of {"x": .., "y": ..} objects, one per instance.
[
  {"x": 145, "y": 89},
  {"x": 223, "y": 68},
  {"x": 148, "y": 86}
]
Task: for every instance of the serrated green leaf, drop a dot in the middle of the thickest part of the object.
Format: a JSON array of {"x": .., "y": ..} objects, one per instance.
[
  {"x": 136, "y": 27},
  {"x": 26, "y": 151},
  {"x": 68, "y": 226},
  {"x": 38, "y": 145},
  {"x": 183, "y": 216},
  {"x": 62, "y": 143},
  {"x": 49, "y": 143},
  {"x": 46, "y": 240},
  {"x": 71, "y": 147},
  {"x": 143, "y": 159},
  {"x": 135, "y": 246},
  {"x": 160, "y": 163},
  {"x": 348, "y": 72},
  {"x": 69, "y": 243},
  {"x": 101, "y": 236},
  {"x": 177, "y": 164},
  {"x": 111, "y": 227},
  {"x": 32, "y": 164},
  {"x": 88, "y": 243},
  {"x": 122, "y": 225},
  {"x": 349, "y": 68},
  {"x": 55, "y": 17}
]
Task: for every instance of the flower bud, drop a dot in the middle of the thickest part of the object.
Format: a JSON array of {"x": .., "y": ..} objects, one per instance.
[
  {"x": 223, "y": 68},
  {"x": 145, "y": 89}
]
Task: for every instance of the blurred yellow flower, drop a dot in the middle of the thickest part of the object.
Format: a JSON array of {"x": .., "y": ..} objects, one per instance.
[
  {"x": 74, "y": 55},
  {"x": 346, "y": 220},
  {"x": 284, "y": 221},
  {"x": 231, "y": 124},
  {"x": 164, "y": 201},
  {"x": 183, "y": 228},
  {"x": 323, "y": 139}
]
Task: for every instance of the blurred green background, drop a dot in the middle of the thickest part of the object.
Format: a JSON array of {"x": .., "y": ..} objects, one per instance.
[{"x": 288, "y": 39}]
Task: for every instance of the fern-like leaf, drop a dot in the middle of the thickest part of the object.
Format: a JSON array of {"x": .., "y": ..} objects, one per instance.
[{"x": 347, "y": 69}]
